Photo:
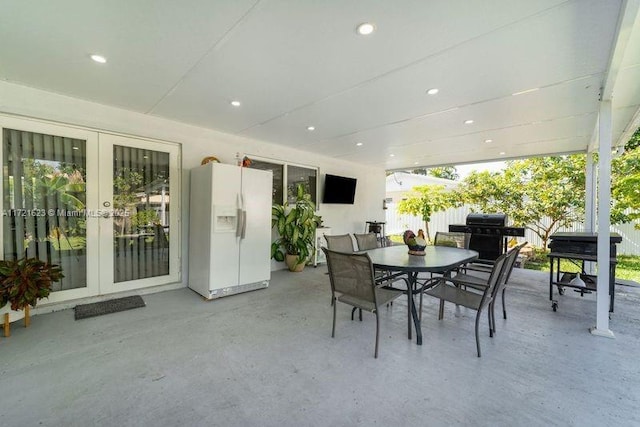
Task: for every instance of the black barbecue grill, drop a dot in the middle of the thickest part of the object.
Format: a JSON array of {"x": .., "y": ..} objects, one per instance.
[{"x": 488, "y": 234}]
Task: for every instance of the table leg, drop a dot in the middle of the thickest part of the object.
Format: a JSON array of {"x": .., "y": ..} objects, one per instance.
[
  {"x": 413, "y": 277},
  {"x": 550, "y": 278},
  {"x": 612, "y": 285}
]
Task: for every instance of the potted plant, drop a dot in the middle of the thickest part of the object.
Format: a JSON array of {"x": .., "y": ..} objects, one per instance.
[
  {"x": 23, "y": 282},
  {"x": 296, "y": 225}
]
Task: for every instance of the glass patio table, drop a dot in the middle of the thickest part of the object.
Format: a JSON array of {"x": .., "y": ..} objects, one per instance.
[{"x": 437, "y": 259}]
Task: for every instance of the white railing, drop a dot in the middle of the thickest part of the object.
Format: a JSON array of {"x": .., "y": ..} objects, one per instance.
[{"x": 396, "y": 224}]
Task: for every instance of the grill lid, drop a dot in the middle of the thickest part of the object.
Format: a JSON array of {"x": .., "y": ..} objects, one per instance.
[{"x": 492, "y": 220}]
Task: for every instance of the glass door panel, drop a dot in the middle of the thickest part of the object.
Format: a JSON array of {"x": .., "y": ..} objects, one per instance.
[
  {"x": 45, "y": 203},
  {"x": 141, "y": 232},
  {"x": 141, "y": 199}
]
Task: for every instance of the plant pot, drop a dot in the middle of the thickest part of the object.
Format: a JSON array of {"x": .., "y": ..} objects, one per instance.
[{"x": 291, "y": 261}]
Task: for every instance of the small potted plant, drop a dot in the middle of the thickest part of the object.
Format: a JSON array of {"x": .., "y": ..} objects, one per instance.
[
  {"x": 296, "y": 225},
  {"x": 23, "y": 282}
]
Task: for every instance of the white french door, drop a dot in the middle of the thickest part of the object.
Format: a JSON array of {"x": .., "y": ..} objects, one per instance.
[
  {"x": 140, "y": 236},
  {"x": 48, "y": 173},
  {"x": 96, "y": 204}
]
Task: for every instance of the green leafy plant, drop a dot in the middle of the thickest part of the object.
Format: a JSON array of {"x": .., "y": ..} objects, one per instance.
[
  {"x": 425, "y": 200},
  {"x": 296, "y": 225},
  {"x": 24, "y": 281},
  {"x": 144, "y": 217}
]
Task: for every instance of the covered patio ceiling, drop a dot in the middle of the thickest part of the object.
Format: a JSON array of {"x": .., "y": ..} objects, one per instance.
[{"x": 529, "y": 74}]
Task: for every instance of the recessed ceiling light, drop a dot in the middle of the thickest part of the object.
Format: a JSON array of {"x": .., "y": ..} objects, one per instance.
[
  {"x": 392, "y": 155},
  {"x": 415, "y": 163},
  {"x": 235, "y": 103},
  {"x": 365, "y": 28},
  {"x": 468, "y": 122},
  {"x": 502, "y": 153},
  {"x": 359, "y": 144},
  {"x": 99, "y": 58},
  {"x": 433, "y": 91},
  {"x": 488, "y": 140},
  {"x": 525, "y": 91},
  {"x": 75, "y": 148},
  {"x": 311, "y": 128}
]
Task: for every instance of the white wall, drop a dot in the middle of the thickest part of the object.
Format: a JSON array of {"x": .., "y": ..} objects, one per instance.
[{"x": 197, "y": 143}]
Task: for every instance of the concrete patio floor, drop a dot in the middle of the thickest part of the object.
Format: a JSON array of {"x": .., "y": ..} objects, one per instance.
[{"x": 266, "y": 358}]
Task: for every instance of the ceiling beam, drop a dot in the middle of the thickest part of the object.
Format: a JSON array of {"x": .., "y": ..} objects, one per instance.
[{"x": 628, "y": 18}]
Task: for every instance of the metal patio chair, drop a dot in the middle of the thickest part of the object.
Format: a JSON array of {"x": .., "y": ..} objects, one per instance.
[
  {"x": 475, "y": 297},
  {"x": 353, "y": 283},
  {"x": 366, "y": 241},
  {"x": 508, "y": 269},
  {"x": 341, "y": 243},
  {"x": 455, "y": 240}
]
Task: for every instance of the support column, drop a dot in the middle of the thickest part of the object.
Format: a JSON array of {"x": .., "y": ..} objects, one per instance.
[
  {"x": 590, "y": 194},
  {"x": 604, "y": 222},
  {"x": 590, "y": 203}
]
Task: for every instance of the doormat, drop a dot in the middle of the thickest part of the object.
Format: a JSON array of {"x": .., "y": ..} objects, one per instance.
[{"x": 84, "y": 311}]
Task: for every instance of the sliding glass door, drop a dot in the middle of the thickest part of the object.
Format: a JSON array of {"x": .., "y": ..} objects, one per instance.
[{"x": 98, "y": 205}]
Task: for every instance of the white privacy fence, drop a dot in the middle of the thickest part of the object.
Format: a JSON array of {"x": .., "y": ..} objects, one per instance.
[{"x": 396, "y": 224}]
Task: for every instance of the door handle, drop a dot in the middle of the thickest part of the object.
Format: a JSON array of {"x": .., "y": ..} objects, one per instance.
[
  {"x": 244, "y": 224},
  {"x": 239, "y": 223}
]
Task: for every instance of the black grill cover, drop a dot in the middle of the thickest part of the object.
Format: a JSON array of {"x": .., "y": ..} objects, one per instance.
[{"x": 491, "y": 220}]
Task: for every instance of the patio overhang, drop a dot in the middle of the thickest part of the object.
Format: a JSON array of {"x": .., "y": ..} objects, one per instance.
[{"x": 530, "y": 75}]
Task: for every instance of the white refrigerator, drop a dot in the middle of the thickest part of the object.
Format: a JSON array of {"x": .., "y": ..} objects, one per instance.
[{"x": 229, "y": 229}]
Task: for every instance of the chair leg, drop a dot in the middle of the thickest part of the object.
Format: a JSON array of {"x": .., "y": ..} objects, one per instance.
[
  {"x": 353, "y": 311},
  {"x": 360, "y": 314},
  {"x": 420, "y": 312},
  {"x": 493, "y": 318},
  {"x": 333, "y": 330},
  {"x": 489, "y": 317},
  {"x": 377, "y": 334},
  {"x": 477, "y": 337},
  {"x": 441, "y": 312},
  {"x": 504, "y": 309},
  {"x": 409, "y": 313}
]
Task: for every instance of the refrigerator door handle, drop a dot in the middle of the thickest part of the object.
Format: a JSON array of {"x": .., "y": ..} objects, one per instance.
[
  {"x": 239, "y": 223},
  {"x": 244, "y": 224}
]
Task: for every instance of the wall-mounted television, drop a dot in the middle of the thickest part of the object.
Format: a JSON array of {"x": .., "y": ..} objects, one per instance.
[{"x": 339, "y": 189}]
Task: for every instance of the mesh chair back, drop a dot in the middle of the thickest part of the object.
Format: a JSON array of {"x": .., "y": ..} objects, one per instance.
[
  {"x": 454, "y": 240},
  {"x": 509, "y": 263},
  {"x": 495, "y": 279},
  {"x": 341, "y": 243},
  {"x": 366, "y": 241},
  {"x": 351, "y": 275}
]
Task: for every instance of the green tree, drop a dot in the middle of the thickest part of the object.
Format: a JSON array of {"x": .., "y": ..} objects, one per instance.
[
  {"x": 444, "y": 172},
  {"x": 625, "y": 185},
  {"x": 127, "y": 183},
  {"x": 529, "y": 190},
  {"x": 425, "y": 200}
]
